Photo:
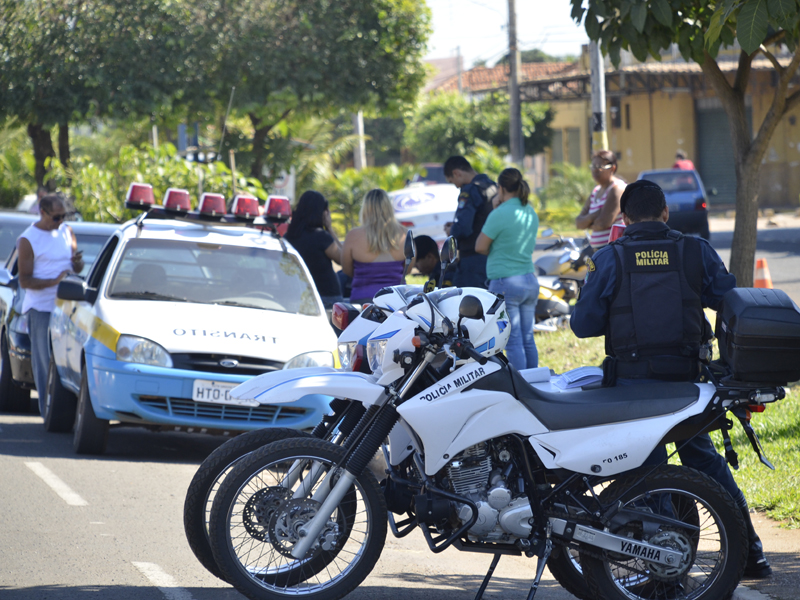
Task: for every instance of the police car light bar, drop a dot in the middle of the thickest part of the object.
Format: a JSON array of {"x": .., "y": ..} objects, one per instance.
[
  {"x": 278, "y": 208},
  {"x": 245, "y": 207},
  {"x": 139, "y": 196},
  {"x": 212, "y": 205},
  {"x": 177, "y": 200}
]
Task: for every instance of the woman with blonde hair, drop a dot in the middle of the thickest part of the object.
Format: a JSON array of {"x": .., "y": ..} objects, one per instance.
[{"x": 373, "y": 253}]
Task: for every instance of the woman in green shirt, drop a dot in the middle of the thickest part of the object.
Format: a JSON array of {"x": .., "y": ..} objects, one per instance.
[{"x": 508, "y": 238}]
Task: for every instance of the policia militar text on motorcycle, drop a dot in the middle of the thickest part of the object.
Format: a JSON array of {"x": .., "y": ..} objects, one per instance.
[
  {"x": 646, "y": 292},
  {"x": 474, "y": 205}
]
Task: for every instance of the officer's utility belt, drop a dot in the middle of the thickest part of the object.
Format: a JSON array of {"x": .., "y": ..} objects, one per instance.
[{"x": 665, "y": 368}]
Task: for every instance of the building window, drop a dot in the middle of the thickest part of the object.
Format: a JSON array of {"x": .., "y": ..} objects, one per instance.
[
  {"x": 615, "y": 118},
  {"x": 557, "y": 147},
  {"x": 627, "y": 116},
  {"x": 574, "y": 146}
]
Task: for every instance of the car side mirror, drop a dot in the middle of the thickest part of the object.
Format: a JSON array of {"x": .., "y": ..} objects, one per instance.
[
  {"x": 7, "y": 279},
  {"x": 712, "y": 191},
  {"x": 76, "y": 290}
]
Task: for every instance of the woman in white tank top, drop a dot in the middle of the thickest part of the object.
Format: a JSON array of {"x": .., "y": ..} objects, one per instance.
[{"x": 601, "y": 209}]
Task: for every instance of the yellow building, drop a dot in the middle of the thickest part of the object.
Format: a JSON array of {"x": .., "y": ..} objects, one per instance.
[{"x": 656, "y": 108}]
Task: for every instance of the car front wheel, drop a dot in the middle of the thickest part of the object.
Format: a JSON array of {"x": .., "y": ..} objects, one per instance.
[
  {"x": 60, "y": 403},
  {"x": 91, "y": 433}
]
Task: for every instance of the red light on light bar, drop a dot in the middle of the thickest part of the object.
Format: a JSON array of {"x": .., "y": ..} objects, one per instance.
[
  {"x": 245, "y": 206},
  {"x": 278, "y": 207},
  {"x": 406, "y": 223},
  {"x": 212, "y": 204},
  {"x": 177, "y": 200},
  {"x": 140, "y": 194},
  {"x": 340, "y": 316}
]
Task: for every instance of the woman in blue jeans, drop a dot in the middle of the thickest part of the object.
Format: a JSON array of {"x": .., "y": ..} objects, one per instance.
[{"x": 508, "y": 238}]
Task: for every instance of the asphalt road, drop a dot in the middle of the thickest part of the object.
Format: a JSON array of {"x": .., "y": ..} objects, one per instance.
[
  {"x": 116, "y": 530},
  {"x": 780, "y": 246}
]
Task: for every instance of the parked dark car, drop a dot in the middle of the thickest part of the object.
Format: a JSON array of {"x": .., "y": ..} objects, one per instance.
[
  {"x": 687, "y": 199},
  {"x": 16, "y": 374}
]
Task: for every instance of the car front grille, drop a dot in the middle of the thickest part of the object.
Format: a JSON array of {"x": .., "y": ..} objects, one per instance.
[
  {"x": 265, "y": 413},
  {"x": 210, "y": 363}
]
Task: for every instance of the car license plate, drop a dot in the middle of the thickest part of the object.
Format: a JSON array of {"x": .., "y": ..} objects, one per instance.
[{"x": 217, "y": 392}]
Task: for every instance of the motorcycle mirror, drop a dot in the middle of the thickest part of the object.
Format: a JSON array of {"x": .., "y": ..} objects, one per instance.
[
  {"x": 470, "y": 308},
  {"x": 547, "y": 232},
  {"x": 410, "y": 251},
  {"x": 447, "y": 327},
  {"x": 447, "y": 256}
]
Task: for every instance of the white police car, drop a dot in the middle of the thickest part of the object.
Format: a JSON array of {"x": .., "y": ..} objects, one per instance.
[
  {"x": 424, "y": 209},
  {"x": 174, "y": 313}
]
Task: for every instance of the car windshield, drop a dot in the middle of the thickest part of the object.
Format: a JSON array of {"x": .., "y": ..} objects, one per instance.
[
  {"x": 213, "y": 274},
  {"x": 674, "y": 181},
  {"x": 9, "y": 232},
  {"x": 91, "y": 246}
]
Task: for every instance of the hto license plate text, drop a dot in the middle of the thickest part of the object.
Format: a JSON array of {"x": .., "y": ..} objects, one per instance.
[{"x": 217, "y": 392}]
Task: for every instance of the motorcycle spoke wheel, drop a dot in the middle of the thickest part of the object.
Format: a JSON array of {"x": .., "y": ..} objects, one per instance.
[
  {"x": 713, "y": 558},
  {"x": 254, "y": 525}
]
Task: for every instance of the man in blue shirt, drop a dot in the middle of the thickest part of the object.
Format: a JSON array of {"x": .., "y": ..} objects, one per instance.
[
  {"x": 474, "y": 205},
  {"x": 646, "y": 292}
]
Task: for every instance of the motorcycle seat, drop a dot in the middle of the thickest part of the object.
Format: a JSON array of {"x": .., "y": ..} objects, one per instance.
[{"x": 602, "y": 406}]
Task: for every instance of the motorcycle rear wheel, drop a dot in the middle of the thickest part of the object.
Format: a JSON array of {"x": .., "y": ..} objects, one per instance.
[
  {"x": 717, "y": 553},
  {"x": 260, "y": 567}
]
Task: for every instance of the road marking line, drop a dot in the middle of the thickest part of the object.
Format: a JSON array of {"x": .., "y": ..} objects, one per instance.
[
  {"x": 163, "y": 581},
  {"x": 58, "y": 486}
]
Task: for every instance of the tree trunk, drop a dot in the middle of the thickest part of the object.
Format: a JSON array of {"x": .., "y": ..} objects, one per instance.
[
  {"x": 63, "y": 144},
  {"x": 42, "y": 150},
  {"x": 259, "y": 138},
  {"x": 745, "y": 231}
]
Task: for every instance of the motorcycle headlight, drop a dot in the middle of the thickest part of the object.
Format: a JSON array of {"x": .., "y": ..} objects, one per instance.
[
  {"x": 347, "y": 353},
  {"x": 134, "y": 349},
  {"x": 375, "y": 351},
  {"x": 310, "y": 359}
]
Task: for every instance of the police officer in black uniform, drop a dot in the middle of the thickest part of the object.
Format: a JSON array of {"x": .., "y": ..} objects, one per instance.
[
  {"x": 646, "y": 293},
  {"x": 474, "y": 205}
]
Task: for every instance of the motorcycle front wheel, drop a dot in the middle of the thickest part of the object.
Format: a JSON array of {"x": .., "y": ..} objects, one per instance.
[
  {"x": 256, "y": 518},
  {"x": 713, "y": 541},
  {"x": 206, "y": 481}
]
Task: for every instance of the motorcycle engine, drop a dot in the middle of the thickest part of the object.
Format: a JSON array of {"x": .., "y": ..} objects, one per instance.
[{"x": 503, "y": 514}]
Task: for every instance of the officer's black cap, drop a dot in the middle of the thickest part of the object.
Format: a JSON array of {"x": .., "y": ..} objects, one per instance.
[{"x": 632, "y": 188}]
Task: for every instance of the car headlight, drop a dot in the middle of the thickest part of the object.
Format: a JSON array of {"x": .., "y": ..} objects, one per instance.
[
  {"x": 310, "y": 359},
  {"x": 375, "y": 351},
  {"x": 134, "y": 349},
  {"x": 347, "y": 354},
  {"x": 21, "y": 326}
]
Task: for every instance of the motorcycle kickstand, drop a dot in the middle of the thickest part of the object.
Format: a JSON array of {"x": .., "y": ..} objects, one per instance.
[
  {"x": 542, "y": 561},
  {"x": 489, "y": 574}
]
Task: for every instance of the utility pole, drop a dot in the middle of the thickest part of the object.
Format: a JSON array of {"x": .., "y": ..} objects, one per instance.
[
  {"x": 516, "y": 143},
  {"x": 360, "y": 151},
  {"x": 598, "y": 80}
]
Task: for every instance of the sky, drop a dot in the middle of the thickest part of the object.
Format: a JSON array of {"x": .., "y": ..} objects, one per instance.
[{"x": 479, "y": 28}]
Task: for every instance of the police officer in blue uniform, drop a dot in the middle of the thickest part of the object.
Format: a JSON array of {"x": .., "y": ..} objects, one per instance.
[
  {"x": 646, "y": 292},
  {"x": 474, "y": 205}
]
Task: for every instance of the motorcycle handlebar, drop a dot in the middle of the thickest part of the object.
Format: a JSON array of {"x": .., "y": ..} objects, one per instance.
[{"x": 464, "y": 349}]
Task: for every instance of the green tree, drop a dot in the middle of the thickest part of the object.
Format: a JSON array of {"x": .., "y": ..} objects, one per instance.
[
  {"x": 66, "y": 60},
  {"x": 447, "y": 122},
  {"x": 700, "y": 29},
  {"x": 536, "y": 55},
  {"x": 309, "y": 57}
]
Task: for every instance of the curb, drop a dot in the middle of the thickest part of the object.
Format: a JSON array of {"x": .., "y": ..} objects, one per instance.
[{"x": 745, "y": 593}]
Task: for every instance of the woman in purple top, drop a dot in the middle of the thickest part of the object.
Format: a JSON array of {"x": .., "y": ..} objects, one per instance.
[{"x": 373, "y": 253}]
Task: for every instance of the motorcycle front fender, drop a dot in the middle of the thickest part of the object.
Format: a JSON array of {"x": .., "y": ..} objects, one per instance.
[{"x": 280, "y": 387}]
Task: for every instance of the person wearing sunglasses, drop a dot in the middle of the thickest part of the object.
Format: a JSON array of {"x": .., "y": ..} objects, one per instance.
[
  {"x": 47, "y": 253},
  {"x": 601, "y": 210}
]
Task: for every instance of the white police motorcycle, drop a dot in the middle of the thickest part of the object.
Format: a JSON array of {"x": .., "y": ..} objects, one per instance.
[{"x": 484, "y": 459}]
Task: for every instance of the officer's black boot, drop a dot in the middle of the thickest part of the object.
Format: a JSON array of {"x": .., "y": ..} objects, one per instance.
[{"x": 757, "y": 564}]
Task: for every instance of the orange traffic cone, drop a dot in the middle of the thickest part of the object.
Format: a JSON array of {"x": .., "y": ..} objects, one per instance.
[{"x": 763, "y": 278}]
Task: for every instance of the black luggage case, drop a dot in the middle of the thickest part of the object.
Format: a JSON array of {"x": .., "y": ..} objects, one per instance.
[{"x": 759, "y": 335}]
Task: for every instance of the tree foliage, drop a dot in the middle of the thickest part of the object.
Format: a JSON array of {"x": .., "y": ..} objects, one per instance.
[
  {"x": 700, "y": 30},
  {"x": 447, "y": 124}
]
